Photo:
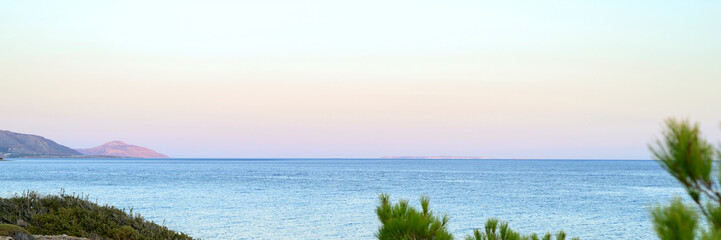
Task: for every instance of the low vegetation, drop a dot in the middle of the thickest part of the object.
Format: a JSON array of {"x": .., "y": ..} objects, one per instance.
[
  {"x": 689, "y": 158},
  {"x": 77, "y": 216},
  {"x": 15, "y": 232},
  {"x": 499, "y": 230},
  {"x": 401, "y": 221}
]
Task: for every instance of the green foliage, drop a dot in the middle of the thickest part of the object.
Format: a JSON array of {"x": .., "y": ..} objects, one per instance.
[
  {"x": 15, "y": 232},
  {"x": 404, "y": 222},
  {"x": 675, "y": 221},
  {"x": 9, "y": 229},
  {"x": 125, "y": 233},
  {"x": 499, "y": 230},
  {"x": 689, "y": 158},
  {"x": 77, "y": 216}
]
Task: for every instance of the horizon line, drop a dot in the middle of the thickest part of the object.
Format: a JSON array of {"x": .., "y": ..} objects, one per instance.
[{"x": 353, "y": 158}]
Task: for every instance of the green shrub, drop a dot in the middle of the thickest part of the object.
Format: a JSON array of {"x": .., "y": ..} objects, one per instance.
[
  {"x": 401, "y": 221},
  {"x": 125, "y": 233},
  {"x": 9, "y": 229},
  {"x": 77, "y": 216},
  {"x": 499, "y": 230},
  {"x": 404, "y": 222},
  {"x": 689, "y": 158}
]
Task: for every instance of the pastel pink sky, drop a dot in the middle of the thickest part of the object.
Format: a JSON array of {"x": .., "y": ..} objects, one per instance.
[{"x": 367, "y": 79}]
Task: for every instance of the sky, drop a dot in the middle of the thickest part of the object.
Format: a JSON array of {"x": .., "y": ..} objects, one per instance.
[{"x": 357, "y": 79}]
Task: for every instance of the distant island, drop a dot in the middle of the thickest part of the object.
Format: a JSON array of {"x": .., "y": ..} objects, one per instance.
[
  {"x": 121, "y": 149},
  {"x": 20, "y": 145},
  {"x": 26, "y": 145},
  {"x": 431, "y": 157}
]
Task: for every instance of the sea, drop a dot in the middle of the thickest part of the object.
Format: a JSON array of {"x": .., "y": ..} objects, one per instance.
[{"x": 336, "y": 198}]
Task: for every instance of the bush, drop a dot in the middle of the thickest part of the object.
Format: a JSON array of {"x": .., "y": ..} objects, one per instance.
[
  {"x": 404, "y": 222},
  {"x": 499, "y": 230},
  {"x": 125, "y": 233},
  {"x": 77, "y": 216},
  {"x": 401, "y": 221},
  {"x": 9, "y": 229}
]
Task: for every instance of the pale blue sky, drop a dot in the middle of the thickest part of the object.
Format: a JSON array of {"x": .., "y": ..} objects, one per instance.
[
  {"x": 230, "y": 28},
  {"x": 526, "y": 79}
]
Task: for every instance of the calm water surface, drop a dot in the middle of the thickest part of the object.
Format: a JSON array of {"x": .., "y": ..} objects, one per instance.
[{"x": 335, "y": 198}]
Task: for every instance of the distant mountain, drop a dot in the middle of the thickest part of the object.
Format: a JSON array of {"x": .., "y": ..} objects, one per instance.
[
  {"x": 25, "y": 145},
  {"x": 431, "y": 157},
  {"x": 121, "y": 149}
]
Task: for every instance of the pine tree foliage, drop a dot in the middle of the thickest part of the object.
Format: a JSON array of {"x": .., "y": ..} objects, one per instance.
[
  {"x": 499, "y": 230},
  {"x": 689, "y": 158},
  {"x": 404, "y": 222},
  {"x": 675, "y": 221},
  {"x": 401, "y": 221}
]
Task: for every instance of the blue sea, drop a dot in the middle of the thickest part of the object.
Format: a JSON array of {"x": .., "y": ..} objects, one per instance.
[{"x": 336, "y": 198}]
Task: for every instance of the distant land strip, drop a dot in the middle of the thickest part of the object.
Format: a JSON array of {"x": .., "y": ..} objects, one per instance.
[{"x": 431, "y": 157}]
